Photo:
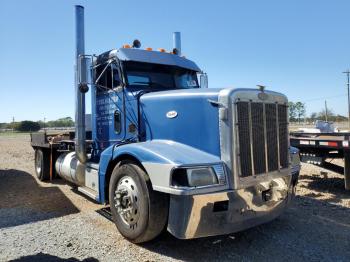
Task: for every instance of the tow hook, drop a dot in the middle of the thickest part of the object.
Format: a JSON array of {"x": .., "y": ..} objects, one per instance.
[{"x": 267, "y": 195}]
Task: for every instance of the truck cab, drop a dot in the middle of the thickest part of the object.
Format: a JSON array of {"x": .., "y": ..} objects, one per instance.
[
  {"x": 122, "y": 76},
  {"x": 167, "y": 152}
]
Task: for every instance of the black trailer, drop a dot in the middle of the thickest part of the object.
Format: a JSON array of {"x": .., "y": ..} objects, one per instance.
[{"x": 316, "y": 147}]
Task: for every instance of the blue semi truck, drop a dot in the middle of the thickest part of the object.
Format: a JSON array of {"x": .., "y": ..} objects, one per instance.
[{"x": 166, "y": 152}]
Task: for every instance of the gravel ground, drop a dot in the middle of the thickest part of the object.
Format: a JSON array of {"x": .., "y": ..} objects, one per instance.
[{"x": 50, "y": 222}]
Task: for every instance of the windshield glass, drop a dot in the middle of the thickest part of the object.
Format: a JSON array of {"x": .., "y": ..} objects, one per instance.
[{"x": 159, "y": 77}]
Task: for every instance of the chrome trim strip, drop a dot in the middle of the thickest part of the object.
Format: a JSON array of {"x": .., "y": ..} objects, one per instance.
[
  {"x": 265, "y": 140},
  {"x": 287, "y": 113},
  {"x": 252, "y": 180},
  {"x": 251, "y": 136},
  {"x": 235, "y": 157},
  {"x": 278, "y": 139},
  {"x": 236, "y": 144}
]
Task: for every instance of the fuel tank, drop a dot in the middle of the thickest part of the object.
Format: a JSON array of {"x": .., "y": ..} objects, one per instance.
[{"x": 69, "y": 168}]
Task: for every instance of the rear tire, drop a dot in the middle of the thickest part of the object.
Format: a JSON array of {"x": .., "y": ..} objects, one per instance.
[
  {"x": 42, "y": 164},
  {"x": 139, "y": 213}
]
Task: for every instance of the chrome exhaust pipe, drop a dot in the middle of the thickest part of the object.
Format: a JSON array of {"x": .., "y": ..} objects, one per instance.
[
  {"x": 177, "y": 42},
  {"x": 80, "y": 77},
  {"x": 71, "y": 166}
]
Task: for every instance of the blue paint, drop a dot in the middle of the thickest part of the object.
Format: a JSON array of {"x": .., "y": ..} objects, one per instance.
[
  {"x": 196, "y": 123},
  {"x": 105, "y": 158},
  {"x": 192, "y": 137},
  {"x": 107, "y": 102},
  {"x": 155, "y": 57},
  {"x": 155, "y": 151}
]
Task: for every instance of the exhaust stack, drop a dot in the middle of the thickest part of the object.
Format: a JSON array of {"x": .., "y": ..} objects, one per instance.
[
  {"x": 177, "y": 42},
  {"x": 80, "y": 77}
]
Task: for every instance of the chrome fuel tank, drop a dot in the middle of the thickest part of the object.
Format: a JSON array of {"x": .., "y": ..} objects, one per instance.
[{"x": 69, "y": 168}]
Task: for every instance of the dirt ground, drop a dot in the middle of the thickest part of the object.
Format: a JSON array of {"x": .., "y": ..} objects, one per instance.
[{"x": 50, "y": 222}]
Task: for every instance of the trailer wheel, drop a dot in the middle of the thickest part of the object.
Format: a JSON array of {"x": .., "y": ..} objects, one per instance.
[
  {"x": 42, "y": 165},
  {"x": 139, "y": 213}
]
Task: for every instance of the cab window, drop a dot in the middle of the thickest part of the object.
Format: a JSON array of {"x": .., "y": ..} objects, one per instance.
[{"x": 110, "y": 77}]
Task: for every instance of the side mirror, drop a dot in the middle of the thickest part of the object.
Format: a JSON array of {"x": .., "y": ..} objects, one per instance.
[
  {"x": 83, "y": 87},
  {"x": 203, "y": 79}
]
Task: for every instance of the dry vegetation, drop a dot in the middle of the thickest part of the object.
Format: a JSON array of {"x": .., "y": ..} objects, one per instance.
[{"x": 51, "y": 222}]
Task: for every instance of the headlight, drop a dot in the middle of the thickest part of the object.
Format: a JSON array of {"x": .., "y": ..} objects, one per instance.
[{"x": 199, "y": 176}]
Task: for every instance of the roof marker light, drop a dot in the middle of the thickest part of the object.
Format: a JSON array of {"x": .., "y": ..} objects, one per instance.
[
  {"x": 161, "y": 50},
  {"x": 126, "y": 46},
  {"x": 148, "y": 48}
]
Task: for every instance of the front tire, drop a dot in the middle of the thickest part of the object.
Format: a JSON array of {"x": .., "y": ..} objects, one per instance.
[
  {"x": 42, "y": 164},
  {"x": 139, "y": 213}
]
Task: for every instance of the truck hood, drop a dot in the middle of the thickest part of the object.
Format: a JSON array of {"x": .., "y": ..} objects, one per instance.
[{"x": 184, "y": 116}]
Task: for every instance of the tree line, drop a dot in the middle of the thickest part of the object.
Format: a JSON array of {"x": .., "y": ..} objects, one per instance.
[
  {"x": 27, "y": 125},
  {"x": 297, "y": 113}
]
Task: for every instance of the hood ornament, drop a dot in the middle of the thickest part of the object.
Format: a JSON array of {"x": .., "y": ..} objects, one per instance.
[
  {"x": 262, "y": 95},
  {"x": 261, "y": 87}
]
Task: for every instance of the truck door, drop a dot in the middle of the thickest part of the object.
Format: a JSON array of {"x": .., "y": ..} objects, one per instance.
[{"x": 109, "y": 118}]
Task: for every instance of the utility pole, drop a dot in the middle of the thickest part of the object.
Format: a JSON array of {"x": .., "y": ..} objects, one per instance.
[
  {"x": 13, "y": 123},
  {"x": 325, "y": 105},
  {"x": 348, "y": 86},
  {"x": 44, "y": 124}
]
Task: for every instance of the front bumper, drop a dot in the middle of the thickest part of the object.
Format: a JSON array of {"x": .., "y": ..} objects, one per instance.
[{"x": 231, "y": 211}]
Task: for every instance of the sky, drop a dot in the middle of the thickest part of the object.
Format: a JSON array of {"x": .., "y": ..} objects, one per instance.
[{"x": 299, "y": 48}]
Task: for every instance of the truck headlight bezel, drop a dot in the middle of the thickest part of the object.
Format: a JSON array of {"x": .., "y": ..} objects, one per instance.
[{"x": 198, "y": 176}]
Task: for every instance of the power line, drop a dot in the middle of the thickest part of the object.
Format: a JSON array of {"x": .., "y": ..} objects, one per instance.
[
  {"x": 348, "y": 88},
  {"x": 323, "y": 98}
]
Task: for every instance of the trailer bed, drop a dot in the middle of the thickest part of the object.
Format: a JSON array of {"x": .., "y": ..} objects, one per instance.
[{"x": 316, "y": 147}]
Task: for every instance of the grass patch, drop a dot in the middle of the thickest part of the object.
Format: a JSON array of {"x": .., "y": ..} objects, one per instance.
[{"x": 14, "y": 133}]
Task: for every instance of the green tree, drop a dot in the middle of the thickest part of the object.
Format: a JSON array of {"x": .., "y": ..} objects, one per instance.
[
  {"x": 300, "y": 110},
  {"x": 330, "y": 115},
  {"x": 26, "y": 126},
  {"x": 292, "y": 112},
  {"x": 313, "y": 116}
]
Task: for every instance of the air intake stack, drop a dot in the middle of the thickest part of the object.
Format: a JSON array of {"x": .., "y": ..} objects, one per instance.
[
  {"x": 72, "y": 166},
  {"x": 80, "y": 78},
  {"x": 177, "y": 43}
]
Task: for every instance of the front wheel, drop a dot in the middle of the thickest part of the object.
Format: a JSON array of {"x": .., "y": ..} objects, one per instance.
[{"x": 139, "y": 213}]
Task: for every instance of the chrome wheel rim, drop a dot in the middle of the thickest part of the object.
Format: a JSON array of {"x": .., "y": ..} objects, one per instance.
[
  {"x": 126, "y": 197},
  {"x": 38, "y": 161}
]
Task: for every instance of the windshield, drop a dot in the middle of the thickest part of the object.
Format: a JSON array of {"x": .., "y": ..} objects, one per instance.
[{"x": 159, "y": 77}]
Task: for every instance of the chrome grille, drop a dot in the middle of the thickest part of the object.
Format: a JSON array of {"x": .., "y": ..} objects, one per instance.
[
  {"x": 244, "y": 139},
  {"x": 271, "y": 131},
  {"x": 258, "y": 137},
  {"x": 262, "y": 137},
  {"x": 283, "y": 135}
]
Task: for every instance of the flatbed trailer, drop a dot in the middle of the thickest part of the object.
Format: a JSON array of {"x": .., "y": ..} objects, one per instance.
[
  {"x": 316, "y": 147},
  {"x": 52, "y": 145}
]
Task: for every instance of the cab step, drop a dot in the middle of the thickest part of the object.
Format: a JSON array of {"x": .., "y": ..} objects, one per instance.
[{"x": 88, "y": 192}]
